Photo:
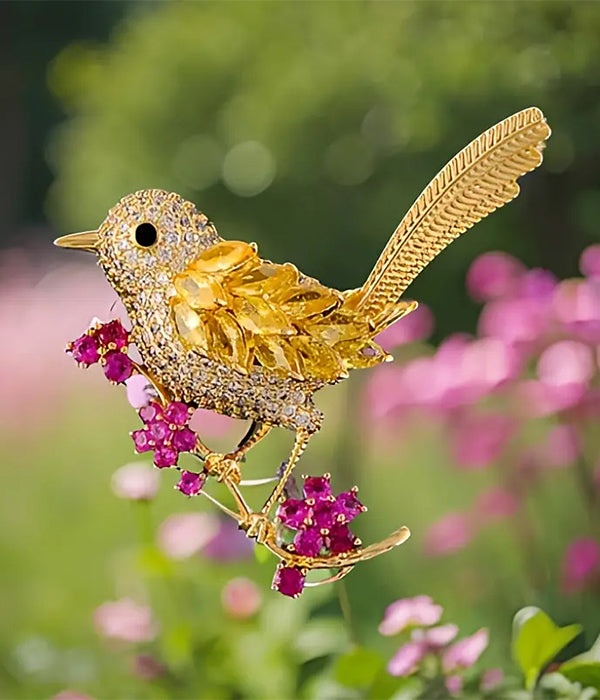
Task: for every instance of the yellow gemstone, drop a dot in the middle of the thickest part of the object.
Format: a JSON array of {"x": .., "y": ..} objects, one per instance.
[
  {"x": 302, "y": 301},
  {"x": 361, "y": 354},
  {"x": 320, "y": 361},
  {"x": 259, "y": 317},
  {"x": 334, "y": 329},
  {"x": 276, "y": 354},
  {"x": 226, "y": 341},
  {"x": 225, "y": 256},
  {"x": 200, "y": 291},
  {"x": 263, "y": 280},
  {"x": 189, "y": 325}
]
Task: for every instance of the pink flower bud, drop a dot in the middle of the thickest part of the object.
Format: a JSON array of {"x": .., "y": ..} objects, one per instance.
[
  {"x": 418, "y": 325},
  {"x": 566, "y": 362},
  {"x": 125, "y": 620},
  {"x": 406, "y": 660},
  {"x": 241, "y": 598},
  {"x": 136, "y": 482},
  {"x": 465, "y": 652},
  {"x": 454, "y": 684},
  {"x": 420, "y": 610},
  {"x": 491, "y": 679},
  {"x": 589, "y": 262},
  {"x": 493, "y": 275}
]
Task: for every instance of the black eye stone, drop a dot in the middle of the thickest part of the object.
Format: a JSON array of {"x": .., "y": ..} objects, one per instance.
[{"x": 145, "y": 235}]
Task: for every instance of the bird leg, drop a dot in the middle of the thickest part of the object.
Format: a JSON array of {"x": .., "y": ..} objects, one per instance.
[
  {"x": 254, "y": 435},
  {"x": 302, "y": 438}
]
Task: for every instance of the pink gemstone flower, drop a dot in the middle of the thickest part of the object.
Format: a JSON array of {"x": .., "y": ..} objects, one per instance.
[
  {"x": 465, "y": 652},
  {"x": 320, "y": 520},
  {"x": 106, "y": 343},
  {"x": 125, "y": 620},
  {"x": 410, "y": 611},
  {"x": 289, "y": 580},
  {"x": 581, "y": 564},
  {"x": 166, "y": 432},
  {"x": 191, "y": 483}
]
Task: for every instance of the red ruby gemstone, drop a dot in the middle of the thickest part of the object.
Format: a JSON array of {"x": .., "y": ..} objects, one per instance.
[
  {"x": 177, "y": 413},
  {"x": 184, "y": 440},
  {"x": 150, "y": 413},
  {"x": 140, "y": 440},
  {"x": 118, "y": 367},
  {"x": 323, "y": 514},
  {"x": 165, "y": 457},
  {"x": 289, "y": 581},
  {"x": 293, "y": 512},
  {"x": 317, "y": 487},
  {"x": 158, "y": 431},
  {"x": 347, "y": 505},
  {"x": 85, "y": 350},
  {"x": 191, "y": 483},
  {"x": 308, "y": 543},
  {"x": 340, "y": 539},
  {"x": 113, "y": 332}
]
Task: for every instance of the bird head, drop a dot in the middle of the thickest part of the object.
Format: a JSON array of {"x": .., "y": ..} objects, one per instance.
[{"x": 146, "y": 239}]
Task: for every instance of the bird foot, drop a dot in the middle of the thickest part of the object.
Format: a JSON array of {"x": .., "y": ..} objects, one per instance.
[{"x": 223, "y": 467}]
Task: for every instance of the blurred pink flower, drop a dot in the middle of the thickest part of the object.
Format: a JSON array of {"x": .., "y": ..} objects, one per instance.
[
  {"x": 589, "y": 262},
  {"x": 478, "y": 439},
  {"x": 539, "y": 399},
  {"x": 580, "y": 564},
  {"x": 561, "y": 448},
  {"x": 537, "y": 284},
  {"x": 465, "y": 652},
  {"x": 495, "y": 504},
  {"x": 228, "y": 544},
  {"x": 566, "y": 362},
  {"x": 448, "y": 534},
  {"x": 183, "y": 535},
  {"x": 139, "y": 391},
  {"x": 418, "y": 325},
  {"x": 136, "y": 482},
  {"x": 493, "y": 275},
  {"x": 405, "y": 612},
  {"x": 491, "y": 679},
  {"x": 126, "y": 620},
  {"x": 406, "y": 660},
  {"x": 435, "y": 637},
  {"x": 454, "y": 684},
  {"x": 577, "y": 307},
  {"x": 520, "y": 322},
  {"x": 241, "y": 598}
]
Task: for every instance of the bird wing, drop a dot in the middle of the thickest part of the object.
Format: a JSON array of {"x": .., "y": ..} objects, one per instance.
[
  {"x": 238, "y": 309},
  {"x": 479, "y": 179}
]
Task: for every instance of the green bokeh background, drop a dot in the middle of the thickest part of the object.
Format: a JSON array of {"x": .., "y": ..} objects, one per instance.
[{"x": 309, "y": 128}]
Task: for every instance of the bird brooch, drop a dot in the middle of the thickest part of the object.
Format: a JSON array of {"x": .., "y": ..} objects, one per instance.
[{"x": 217, "y": 327}]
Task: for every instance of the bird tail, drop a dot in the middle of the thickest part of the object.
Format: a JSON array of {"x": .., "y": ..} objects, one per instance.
[{"x": 478, "y": 180}]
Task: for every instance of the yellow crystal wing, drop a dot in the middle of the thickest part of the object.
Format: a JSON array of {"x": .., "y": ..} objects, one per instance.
[{"x": 478, "y": 180}]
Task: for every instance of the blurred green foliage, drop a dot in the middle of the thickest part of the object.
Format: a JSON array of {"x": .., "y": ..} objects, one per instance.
[{"x": 311, "y": 128}]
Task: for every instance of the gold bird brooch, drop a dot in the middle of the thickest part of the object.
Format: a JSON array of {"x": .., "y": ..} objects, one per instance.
[{"x": 217, "y": 327}]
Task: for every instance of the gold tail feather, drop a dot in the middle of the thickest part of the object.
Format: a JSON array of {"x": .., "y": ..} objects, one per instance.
[{"x": 477, "y": 181}]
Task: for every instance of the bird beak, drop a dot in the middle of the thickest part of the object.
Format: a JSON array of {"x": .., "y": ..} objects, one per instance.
[{"x": 88, "y": 240}]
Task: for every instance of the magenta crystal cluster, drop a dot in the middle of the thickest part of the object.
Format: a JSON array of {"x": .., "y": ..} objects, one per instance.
[
  {"x": 320, "y": 521},
  {"x": 106, "y": 343},
  {"x": 166, "y": 432}
]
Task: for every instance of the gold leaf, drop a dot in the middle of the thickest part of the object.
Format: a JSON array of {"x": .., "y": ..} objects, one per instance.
[{"x": 478, "y": 180}]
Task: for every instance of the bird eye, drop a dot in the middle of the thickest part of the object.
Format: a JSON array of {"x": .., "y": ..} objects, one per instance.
[{"x": 145, "y": 235}]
